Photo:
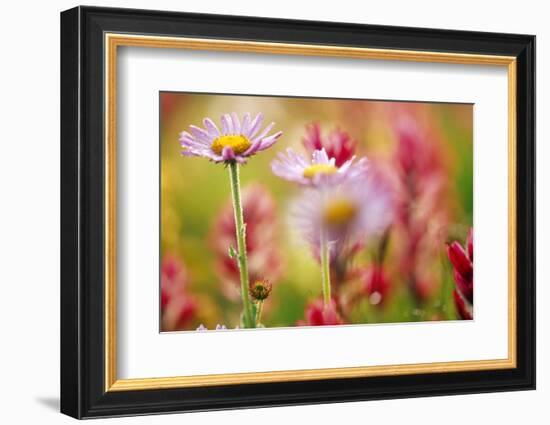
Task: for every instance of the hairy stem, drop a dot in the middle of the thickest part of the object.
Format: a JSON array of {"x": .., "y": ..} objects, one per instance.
[
  {"x": 259, "y": 307},
  {"x": 240, "y": 228}
]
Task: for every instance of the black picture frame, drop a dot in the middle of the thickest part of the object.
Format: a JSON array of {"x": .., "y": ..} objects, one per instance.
[{"x": 83, "y": 392}]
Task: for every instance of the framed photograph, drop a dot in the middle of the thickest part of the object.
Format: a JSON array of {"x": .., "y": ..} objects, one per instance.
[{"x": 260, "y": 212}]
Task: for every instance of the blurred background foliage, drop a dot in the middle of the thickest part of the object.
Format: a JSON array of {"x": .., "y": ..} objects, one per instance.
[{"x": 194, "y": 192}]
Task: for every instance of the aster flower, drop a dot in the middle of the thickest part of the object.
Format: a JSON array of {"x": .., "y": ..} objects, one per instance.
[
  {"x": 338, "y": 144},
  {"x": 462, "y": 260},
  {"x": 336, "y": 216},
  {"x": 347, "y": 212},
  {"x": 236, "y": 141},
  {"x": 320, "y": 170}
]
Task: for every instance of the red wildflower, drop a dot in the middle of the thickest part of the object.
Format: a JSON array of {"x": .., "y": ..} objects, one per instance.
[
  {"x": 338, "y": 144},
  {"x": 421, "y": 185},
  {"x": 463, "y": 272},
  {"x": 317, "y": 314},
  {"x": 177, "y": 306},
  {"x": 375, "y": 284}
]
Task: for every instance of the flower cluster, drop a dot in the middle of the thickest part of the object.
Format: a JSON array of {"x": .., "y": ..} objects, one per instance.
[
  {"x": 340, "y": 206},
  {"x": 357, "y": 216}
]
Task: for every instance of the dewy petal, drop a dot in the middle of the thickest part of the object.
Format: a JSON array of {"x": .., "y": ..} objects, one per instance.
[
  {"x": 269, "y": 141},
  {"x": 200, "y": 134},
  {"x": 227, "y": 124},
  {"x": 263, "y": 144},
  {"x": 187, "y": 139},
  {"x": 264, "y": 132},
  {"x": 193, "y": 144},
  {"x": 255, "y": 125},
  {"x": 211, "y": 128},
  {"x": 194, "y": 151},
  {"x": 246, "y": 125},
  {"x": 253, "y": 148},
  {"x": 236, "y": 123}
]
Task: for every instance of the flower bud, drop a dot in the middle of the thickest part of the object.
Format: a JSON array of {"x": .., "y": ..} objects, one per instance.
[{"x": 260, "y": 289}]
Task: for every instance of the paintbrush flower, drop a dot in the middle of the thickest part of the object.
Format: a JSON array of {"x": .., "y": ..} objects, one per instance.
[
  {"x": 338, "y": 144},
  {"x": 318, "y": 314},
  {"x": 462, "y": 260}
]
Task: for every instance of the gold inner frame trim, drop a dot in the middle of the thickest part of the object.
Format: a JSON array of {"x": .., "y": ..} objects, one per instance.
[{"x": 113, "y": 41}]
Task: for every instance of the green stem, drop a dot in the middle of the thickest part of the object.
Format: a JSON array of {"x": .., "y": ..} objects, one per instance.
[
  {"x": 240, "y": 229},
  {"x": 325, "y": 267},
  {"x": 259, "y": 307}
]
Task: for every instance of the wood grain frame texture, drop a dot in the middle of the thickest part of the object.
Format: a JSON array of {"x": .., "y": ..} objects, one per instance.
[{"x": 89, "y": 41}]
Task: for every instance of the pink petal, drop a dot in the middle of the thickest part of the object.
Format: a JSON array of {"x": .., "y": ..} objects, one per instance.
[
  {"x": 269, "y": 141},
  {"x": 255, "y": 125},
  {"x": 211, "y": 127},
  {"x": 227, "y": 124},
  {"x": 264, "y": 132},
  {"x": 246, "y": 124},
  {"x": 236, "y": 123}
]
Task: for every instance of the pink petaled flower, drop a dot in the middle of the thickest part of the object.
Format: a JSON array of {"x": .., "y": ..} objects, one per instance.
[
  {"x": 462, "y": 260},
  {"x": 319, "y": 171},
  {"x": 338, "y": 144},
  {"x": 236, "y": 141},
  {"x": 264, "y": 259},
  {"x": 317, "y": 314},
  {"x": 348, "y": 213},
  {"x": 177, "y": 306}
]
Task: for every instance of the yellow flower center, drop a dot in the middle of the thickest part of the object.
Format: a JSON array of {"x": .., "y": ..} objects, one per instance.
[
  {"x": 313, "y": 170},
  {"x": 238, "y": 143},
  {"x": 339, "y": 212}
]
